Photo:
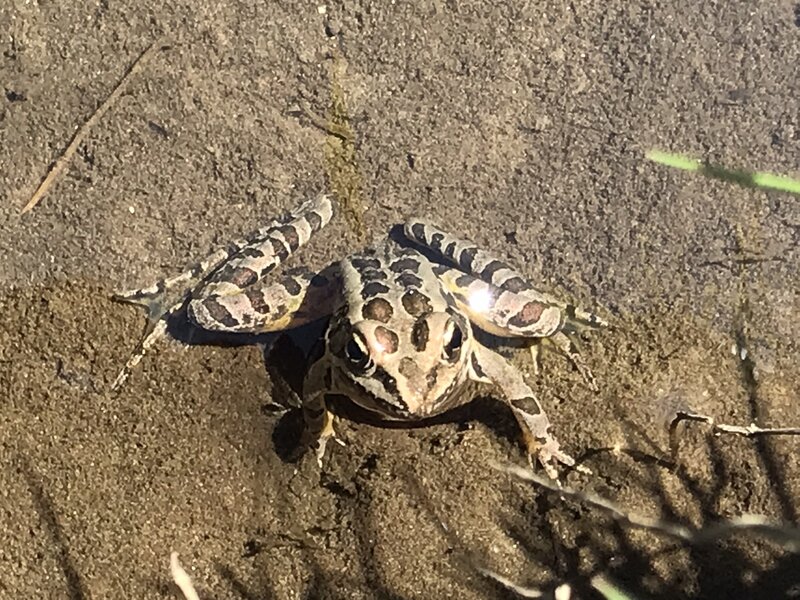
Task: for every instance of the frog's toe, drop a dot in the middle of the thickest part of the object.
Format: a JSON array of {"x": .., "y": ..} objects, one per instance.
[
  {"x": 322, "y": 444},
  {"x": 320, "y": 441},
  {"x": 547, "y": 452}
]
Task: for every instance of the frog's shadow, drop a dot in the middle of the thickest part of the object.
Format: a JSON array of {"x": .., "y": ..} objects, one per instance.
[{"x": 490, "y": 412}]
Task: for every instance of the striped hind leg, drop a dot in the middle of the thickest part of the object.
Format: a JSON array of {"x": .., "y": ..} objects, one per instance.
[
  {"x": 263, "y": 250},
  {"x": 484, "y": 265},
  {"x": 299, "y": 297},
  {"x": 500, "y": 300},
  {"x": 513, "y": 315}
]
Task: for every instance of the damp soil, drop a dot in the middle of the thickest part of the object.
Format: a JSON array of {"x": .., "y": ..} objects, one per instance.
[{"x": 522, "y": 127}]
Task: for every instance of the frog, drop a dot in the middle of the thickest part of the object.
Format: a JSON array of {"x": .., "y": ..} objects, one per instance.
[{"x": 406, "y": 322}]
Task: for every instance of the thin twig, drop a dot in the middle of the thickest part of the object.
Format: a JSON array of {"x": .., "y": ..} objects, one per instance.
[
  {"x": 519, "y": 590},
  {"x": 83, "y": 130},
  {"x": 751, "y": 430},
  {"x": 785, "y": 535},
  {"x": 754, "y": 430}
]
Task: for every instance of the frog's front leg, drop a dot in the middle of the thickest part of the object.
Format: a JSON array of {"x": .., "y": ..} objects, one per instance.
[
  {"x": 318, "y": 419},
  {"x": 488, "y": 366}
]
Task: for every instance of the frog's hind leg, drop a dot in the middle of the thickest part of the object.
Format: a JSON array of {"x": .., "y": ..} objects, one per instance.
[
  {"x": 299, "y": 297},
  {"x": 500, "y": 300},
  {"x": 304, "y": 221},
  {"x": 258, "y": 254},
  {"x": 515, "y": 315},
  {"x": 484, "y": 265}
]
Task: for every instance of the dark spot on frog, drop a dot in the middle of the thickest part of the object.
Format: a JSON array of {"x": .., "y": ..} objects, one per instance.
[
  {"x": 373, "y": 288},
  {"x": 418, "y": 231},
  {"x": 292, "y": 287},
  {"x": 466, "y": 258},
  {"x": 291, "y": 236},
  {"x": 378, "y": 309},
  {"x": 279, "y": 249},
  {"x": 239, "y": 276},
  {"x": 360, "y": 263},
  {"x": 516, "y": 285},
  {"x": 529, "y": 314},
  {"x": 368, "y": 275},
  {"x": 416, "y": 303},
  {"x": 405, "y": 264},
  {"x": 387, "y": 339},
  {"x": 314, "y": 221},
  {"x": 419, "y": 334},
  {"x": 490, "y": 269},
  {"x": 527, "y": 405},
  {"x": 408, "y": 280},
  {"x": 218, "y": 312}
]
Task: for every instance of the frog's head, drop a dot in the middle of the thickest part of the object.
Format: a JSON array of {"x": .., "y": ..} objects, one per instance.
[{"x": 412, "y": 368}]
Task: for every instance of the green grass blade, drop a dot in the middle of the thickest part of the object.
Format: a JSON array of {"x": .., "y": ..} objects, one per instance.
[
  {"x": 609, "y": 590},
  {"x": 674, "y": 160},
  {"x": 750, "y": 179}
]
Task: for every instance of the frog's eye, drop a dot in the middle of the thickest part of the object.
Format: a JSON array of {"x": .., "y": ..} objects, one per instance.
[
  {"x": 357, "y": 353},
  {"x": 453, "y": 341}
]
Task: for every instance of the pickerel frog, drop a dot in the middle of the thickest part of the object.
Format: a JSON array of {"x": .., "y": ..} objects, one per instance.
[{"x": 400, "y": 339}]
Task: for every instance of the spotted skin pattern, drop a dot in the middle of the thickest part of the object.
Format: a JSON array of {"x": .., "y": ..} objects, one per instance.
[{"x": 400, "y": 336}]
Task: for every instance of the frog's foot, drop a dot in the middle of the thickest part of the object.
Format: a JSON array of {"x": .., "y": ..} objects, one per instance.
[
  {"x": 153, "y": 333},
  {"x": 327, "y": 433},
  {"x": 536, "y": 356},
  {"x": 161, "y": 303},
  {"x": 162, "y": 300},
  {"x": 539, "y": 442},
  {"x": 152, "y": 298},
  {"x": 155, "y": 301},
  {"x": 318, "y": 441},
  {"x": 547, "y": 451},
  {"x": 564, "y": 345}
]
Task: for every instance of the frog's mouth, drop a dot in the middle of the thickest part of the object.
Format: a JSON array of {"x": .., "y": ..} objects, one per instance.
[
  {"x": 392, "y": 407},
  {"x": 377, "y": 394}
]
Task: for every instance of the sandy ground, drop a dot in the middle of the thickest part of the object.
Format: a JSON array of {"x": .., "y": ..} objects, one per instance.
[{"x": 522, "y": 127}]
